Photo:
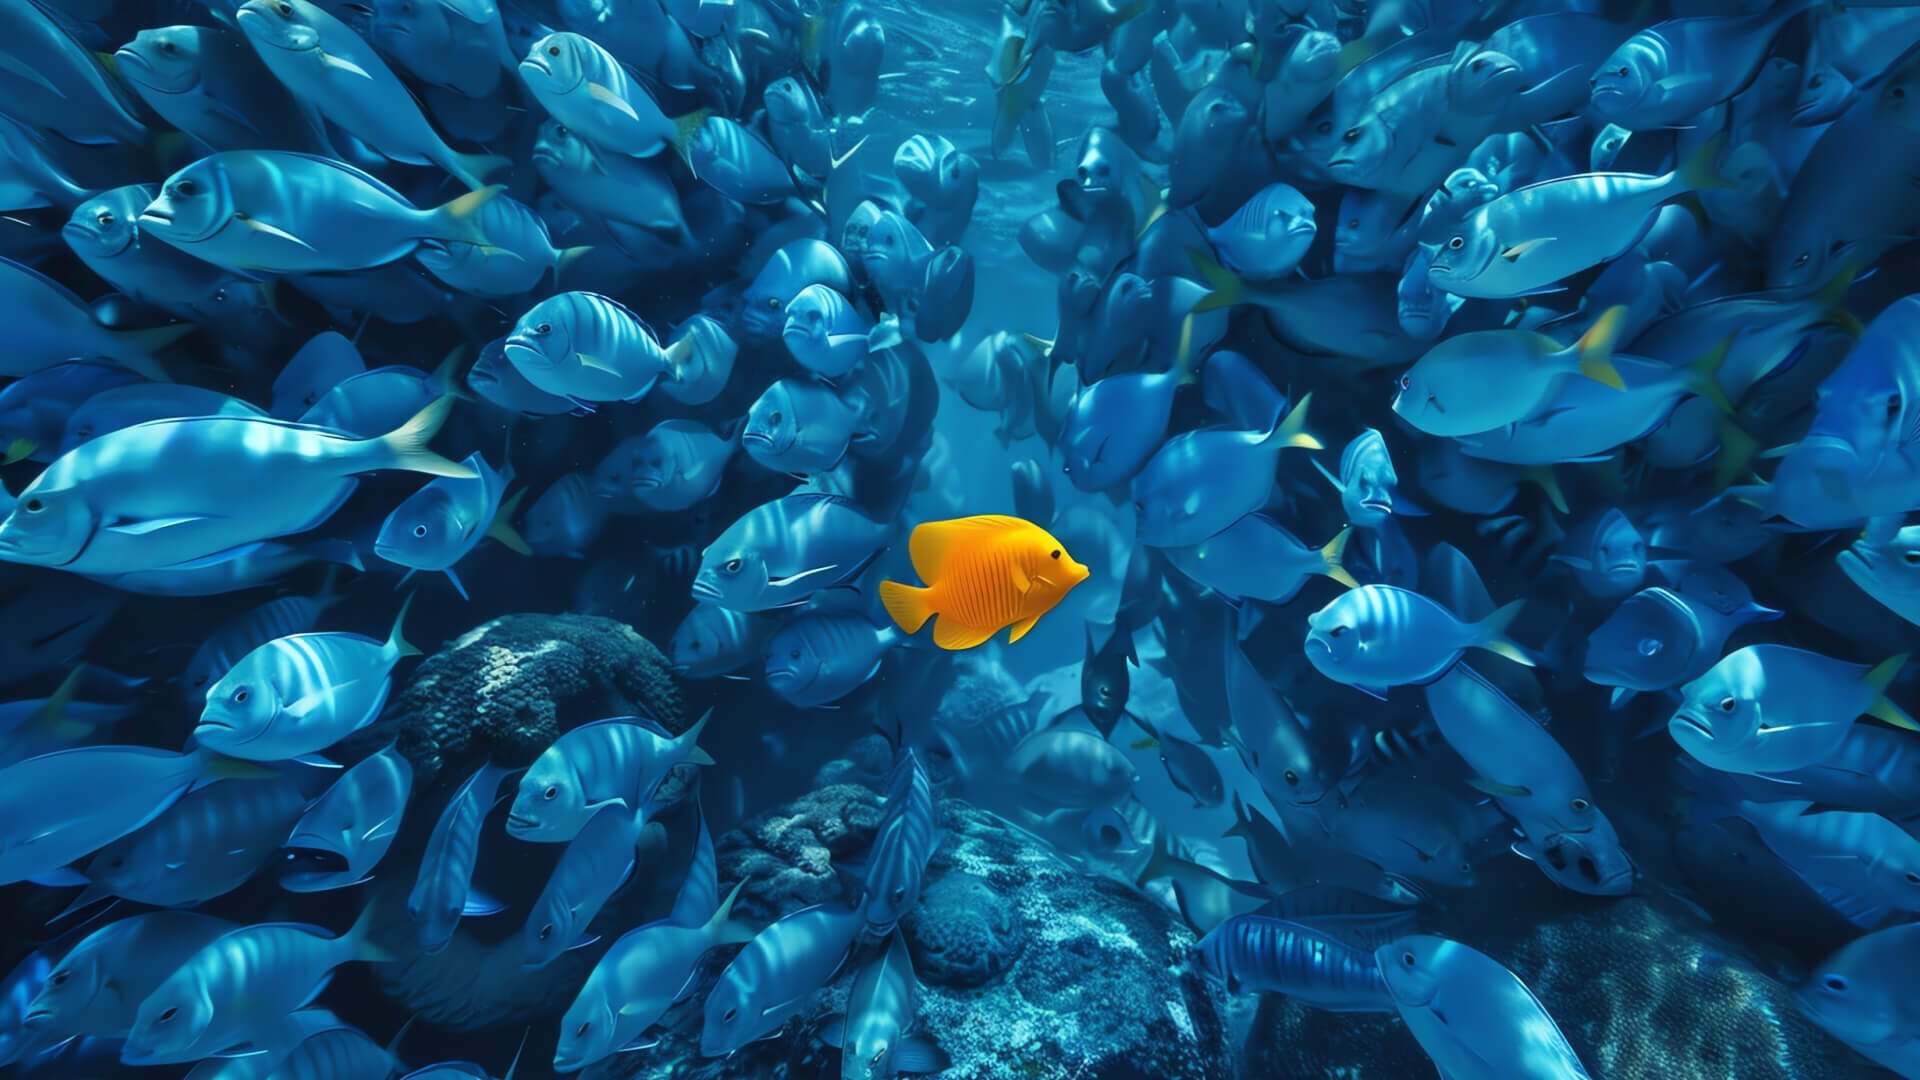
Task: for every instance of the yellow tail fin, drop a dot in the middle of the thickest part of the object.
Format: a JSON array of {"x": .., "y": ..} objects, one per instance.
[
  {"x": 1330, "y": 555},
  {"x": 1224, "y": 287},
  {"x": 909, "y": 605},
  {"x": 1596, "y": 347},
  {"x": 406, "y": 445},
  {"x": 1493, "y": 634}
]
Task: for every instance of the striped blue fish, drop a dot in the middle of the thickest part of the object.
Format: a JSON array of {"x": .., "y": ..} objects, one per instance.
[
  {"x": 897, "y": 865},
  {"x": 203, "y": 846},
  {"x": 1262, "y": 954},
  {"x": 298, "y": 695},
  {"x": 443, "y": 891},
  {"x": 594, "y": 866},
  {"x": 1378, "y": 636},
  {"x": 97, "y": 987},
  {"x": 619, "y": 760},
  {"x": 244, "y": 633},
  {"x": 587, "y": 348},
  {"x": 348, "y": 829}
]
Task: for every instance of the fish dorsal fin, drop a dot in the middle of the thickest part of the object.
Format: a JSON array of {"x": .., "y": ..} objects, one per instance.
[{"x": 934, "y": 541}]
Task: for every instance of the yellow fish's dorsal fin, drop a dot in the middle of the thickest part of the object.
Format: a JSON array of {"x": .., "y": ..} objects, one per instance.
[{"x": 934, "y": 541}]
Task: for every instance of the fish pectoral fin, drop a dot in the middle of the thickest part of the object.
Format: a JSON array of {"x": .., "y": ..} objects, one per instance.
[
  {"x": 262, "y": 227},
  {"x": 341, "y": 64},
  {"x": 1513, "y": 253},
  {"x": 1377, "y": 692},
  {"x": 148, "y": 526},
  {"x": 1495, "y": 787},
  {"x": 605, "y": 96},
  {"x": 588, "y": 360},
  {"x": 301, "y": 706},
  {"x": 1020, "y": 629},
  {"x": 1022, "y": 583},
  {"x": 783, "y": 582}
]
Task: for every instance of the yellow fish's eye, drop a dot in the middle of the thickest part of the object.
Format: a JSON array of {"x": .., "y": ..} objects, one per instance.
[{"x": 1056, "y": 553}]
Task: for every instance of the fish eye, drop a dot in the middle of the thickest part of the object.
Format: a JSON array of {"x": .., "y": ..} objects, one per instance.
[
  {"x": 878, "y": 1054},
  {"x": 899, "y": 893},
  {"x": 167, "y": 47},
  {"x": 732, "y": 566},
  {"x": 105, "y": 217},
  {"x": 1727, "y": 704},
  {"x": 241, "y": 695},
  {"x": 730, "y": 1014},
  {"x": 1457, "y": 243},
  {"x": 185, "y": 187},
  {"x": 1622, "y": 73},
  {"x": 1350, "y": 135},
  {"x": 776, "y": 418},
  {"x": 1801, "y": 259},
  {"x": 773, "y": 303},
  {"x": 1913, "y": 878},
  {"x": 1893, "y": 404},
  {"x": 560, "y": 131},
  {"x": 1056, "y": 553},
  {"x": 1323, "y": 127},
  {"x": 1337, "y": 631},
  {"x": 553, "y": 50},
  {"x": 1836, "y": 983},
  {"x": 1911, "y": 558},
  {"x": 1292, "y": 778},
  {"x": 1407, "y": 959},
  {"x": 34, "y": 506},
  {"x": 1477, "y": 65},
  {"x": 552, "y": 792},
  {"x": 59, "y": 978},
  {"x": 581, "y": 1031},
  {"x": 543, "y": 328},
  {"x": 1406, "y": 381},
  {"x": 1580, "y": 804},
  {"x": 169, "y": 1015},
  {"x": 546, "y": 932},
  {"x": 793, "y": 654},
  {"x": 419, "y": 530}
]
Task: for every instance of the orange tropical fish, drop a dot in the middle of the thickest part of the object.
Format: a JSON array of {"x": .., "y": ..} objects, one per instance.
[{"x": 982, "y": 573}]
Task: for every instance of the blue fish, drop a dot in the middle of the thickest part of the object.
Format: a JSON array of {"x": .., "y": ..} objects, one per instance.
[
  {"x": 1262, "y": 954},
  {"x": 348, "y": 829},
  {"x": 1368, "y": 485},
  {"x": 784, "y": 551},
  {"x": 439, "y": 524},
  {"x": 821, "y": 657},
  {"x": 825, "y": 334},
  {"x": 680, "y": 464},
  {"x": 279, "y": 212},
  {"x": 1200, "y": 482},
  {"x": 587, "y": 348},
  {"x": 1378, "y": 636},
  {"x": 324, "y": 64},
  {"x": 1472, "y": 1016},
  {"x": 589, "y": 91},
  {"x": 738, "y": 163},
  {"x": 34, "y": 410},
  {"x": 1268, "y": 236}
]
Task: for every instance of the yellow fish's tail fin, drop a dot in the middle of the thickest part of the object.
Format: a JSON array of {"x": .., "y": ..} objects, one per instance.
[
  {"x": 1832, "y": 300},
  {"x": 1224, "y": 287},
  {"x": 1330, "y": 556},
  {"x": 405, "y": 447},
  {"x": 1702, "y": 170},
  {"x": 1596, "y": 347},
  {"x": 909, "y": 605},
  {"x": 1703, "y": 375},
  {"x": 1492, "y": 634}
]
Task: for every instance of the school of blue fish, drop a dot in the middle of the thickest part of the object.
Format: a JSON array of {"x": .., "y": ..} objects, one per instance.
[{"x": 1490, "y": 428}]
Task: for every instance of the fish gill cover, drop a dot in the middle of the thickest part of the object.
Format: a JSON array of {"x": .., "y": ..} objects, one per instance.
[{"x": 1050, "y": 540}]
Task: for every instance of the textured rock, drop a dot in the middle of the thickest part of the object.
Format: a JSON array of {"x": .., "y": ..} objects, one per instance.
[
  {"x": 1638, "y": 993},
  {"x": 507, "y": 688},
  {"x": 1030, "y": 969}
]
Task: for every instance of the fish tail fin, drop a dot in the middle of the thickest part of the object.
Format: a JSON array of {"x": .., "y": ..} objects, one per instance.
[
  {"x": 1878, "y": 680},
  {"x": 690, "y": 739},
  {"x": 405, "y": 447},
  {"x": 910, "y": 606},
  {"x": 446, "y": 377},
  {"x": 565, "y": 258},
  {"x": 1292, "y": 431},
  {"x": 221, "y": 767},
  {"x": 136, "y": 348},
  {"x": 18, "y": 450},
  {"x": 1330, "y": 556},
  {"x": 1544, "y": 479},
  {"x": 1185, "y": 366},
  {"x": 685, "y": 126},
  {"x": 1224, "y": 287},
  {"x": 1736, "y": 454},
  {"x": 1701, "y": 169},
  {"x": 1355, "y": 52},
  {"x": 50, "y": 718},
  {"x": 396, "y": 641},
  {"x": 1704, "y": 375},
  {"x": 501, "y": 528},
  {"x": 1492, "y": 634},
  {"x": 1596, "y": 347},
  {"x": 1832, "y": 299},
  {"x": 720, "y": 928},
  {"x": 473, "y": 169},
  {"x": 458, "y": 221},
  {"x": 360, "y": 941},
  {"x": 1155, "y": 202}
]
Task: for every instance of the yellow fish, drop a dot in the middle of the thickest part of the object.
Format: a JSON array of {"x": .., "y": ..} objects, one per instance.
[{"x": 982, "y": 573}]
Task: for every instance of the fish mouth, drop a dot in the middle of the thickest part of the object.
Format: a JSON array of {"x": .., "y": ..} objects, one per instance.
[
  {"x": 1302, "y": 227},
  {"x": 36, "y": 1014},
  {"x": 1695, "y": 723},
  {"x": 1827, "y": 442},
  {"x": 1341, "y": 163},
  {"x": 1381, "y": 505},
  {"x": 1625, "y": 569},
  {"x": 706, "y": 590},
  {"x": 135, "y": 68},
  {"x": 522, "y": 822},
  {"x": 757, "y": 437}
]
